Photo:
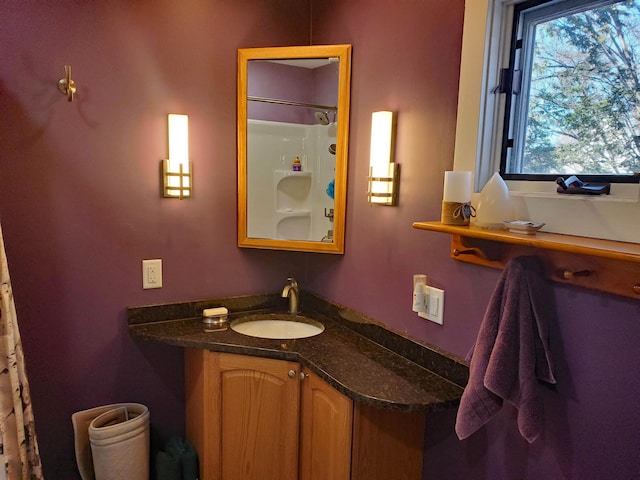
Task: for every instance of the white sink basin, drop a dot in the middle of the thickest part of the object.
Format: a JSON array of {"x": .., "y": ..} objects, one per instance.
[{"x": 277, "y": 326}]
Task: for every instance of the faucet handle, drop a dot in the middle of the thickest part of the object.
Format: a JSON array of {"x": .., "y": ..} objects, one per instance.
[{"x": 293, "y": 282}]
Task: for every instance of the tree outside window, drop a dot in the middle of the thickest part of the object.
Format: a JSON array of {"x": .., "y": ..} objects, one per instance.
[{"x": 583, "y": 110}]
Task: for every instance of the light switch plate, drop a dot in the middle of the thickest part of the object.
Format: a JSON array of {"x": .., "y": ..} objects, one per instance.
[
  {"x": 436, "y": 305},
  {"x": 435, "y": 309}
]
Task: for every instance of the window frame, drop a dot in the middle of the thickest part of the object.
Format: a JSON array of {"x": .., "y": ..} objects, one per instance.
[
  {"x": 479, "y": 128},
  {"x": 525, "y": 13}
]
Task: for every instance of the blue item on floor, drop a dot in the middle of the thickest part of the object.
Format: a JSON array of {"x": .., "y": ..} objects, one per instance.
[{"x": 179, "y": 462}]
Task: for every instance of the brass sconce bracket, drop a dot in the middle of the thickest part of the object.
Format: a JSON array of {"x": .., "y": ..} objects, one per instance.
[
  {"x": 390, "y": 197},
  {"x": 176, "y": 184}
]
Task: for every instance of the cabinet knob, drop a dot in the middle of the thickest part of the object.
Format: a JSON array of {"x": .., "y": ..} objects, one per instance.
[
  {"x": 302, "y": 375},
  {"x": 292, "y": 373}
]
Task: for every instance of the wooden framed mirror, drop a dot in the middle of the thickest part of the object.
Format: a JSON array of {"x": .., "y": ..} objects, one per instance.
[{"x": 293, "y": 137}]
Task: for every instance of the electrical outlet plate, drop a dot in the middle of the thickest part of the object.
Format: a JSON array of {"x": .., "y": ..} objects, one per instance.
[
  {"x": 151, "y": 274},
  {"x": 435, "y": 305}
]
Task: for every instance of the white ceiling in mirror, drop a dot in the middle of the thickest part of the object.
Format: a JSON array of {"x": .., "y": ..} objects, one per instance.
[{"x": 310, "y": 63}]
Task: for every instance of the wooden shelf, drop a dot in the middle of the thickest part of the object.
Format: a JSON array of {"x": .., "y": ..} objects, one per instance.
[{"x": 604, "y": 265}]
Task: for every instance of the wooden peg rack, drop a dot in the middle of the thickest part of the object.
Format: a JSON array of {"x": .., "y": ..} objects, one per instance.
[{"x": 603, "y": 265}]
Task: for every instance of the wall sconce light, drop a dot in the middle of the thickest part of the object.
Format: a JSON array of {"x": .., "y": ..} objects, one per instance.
[
  {"x": 383, "y": 172},
  {"x": 176, "y": 170}
]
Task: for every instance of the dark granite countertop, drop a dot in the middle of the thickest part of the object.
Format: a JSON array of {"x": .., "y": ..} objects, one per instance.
[{"x": 354, "y": 354}]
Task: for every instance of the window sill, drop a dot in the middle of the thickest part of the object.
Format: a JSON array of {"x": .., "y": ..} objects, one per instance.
[
  {"x": 584, "y": 198},
  {"x": 614, "y": 217},
  {"x": 603, "y": 265}
]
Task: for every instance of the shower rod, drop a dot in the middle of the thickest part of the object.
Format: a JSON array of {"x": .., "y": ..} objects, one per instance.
[{"x": 291, "y": 102}]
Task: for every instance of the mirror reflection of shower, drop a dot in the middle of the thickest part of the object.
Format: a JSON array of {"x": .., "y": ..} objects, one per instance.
[
  {"x": 322, "y": 118},
  {"x": 291, "y": 206}
]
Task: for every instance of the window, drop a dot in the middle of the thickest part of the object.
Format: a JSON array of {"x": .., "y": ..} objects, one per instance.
[
  {"x": 486, "y": 51},
  {"x": 572, "y": 90}
]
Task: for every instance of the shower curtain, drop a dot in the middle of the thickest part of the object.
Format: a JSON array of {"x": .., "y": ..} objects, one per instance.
[{"x": 18, "y": 443}]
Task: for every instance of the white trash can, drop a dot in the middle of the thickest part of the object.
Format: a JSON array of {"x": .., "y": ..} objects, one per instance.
[{"x": 120, "y": 443}]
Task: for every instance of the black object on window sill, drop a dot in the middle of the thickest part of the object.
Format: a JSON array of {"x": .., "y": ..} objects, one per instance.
[{"x": 573, "y": 185}]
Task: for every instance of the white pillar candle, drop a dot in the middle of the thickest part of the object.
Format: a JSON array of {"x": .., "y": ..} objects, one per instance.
[{"x": 457, "y": 187}]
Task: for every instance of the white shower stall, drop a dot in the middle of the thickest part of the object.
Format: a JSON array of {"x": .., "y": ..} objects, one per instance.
[{"x": 283, "y": 203}]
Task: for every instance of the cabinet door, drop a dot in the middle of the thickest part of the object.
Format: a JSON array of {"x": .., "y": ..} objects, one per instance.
[
  {"x": 325, "y": 450},
  {"x": 259, "y": 411},
  {"x": 242, "y": 415}
]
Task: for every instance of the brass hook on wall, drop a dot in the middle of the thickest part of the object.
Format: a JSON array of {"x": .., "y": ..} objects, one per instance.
[
  {"x": 568, "y": 274},
  {"x": 457, "y": 252},
  {"x": 67, "y": 85}
]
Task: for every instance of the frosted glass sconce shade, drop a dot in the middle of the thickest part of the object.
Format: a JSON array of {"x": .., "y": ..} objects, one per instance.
[
  {"x": 176, "y": 170},
  {"x": 383, "y": 172}
]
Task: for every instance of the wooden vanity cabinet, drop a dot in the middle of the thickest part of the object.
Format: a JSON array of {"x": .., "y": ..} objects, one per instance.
[
  {"x": 325, "y": 433},
  {"x": 387, "y": 444},
  {"x": 257, "y": 418}
]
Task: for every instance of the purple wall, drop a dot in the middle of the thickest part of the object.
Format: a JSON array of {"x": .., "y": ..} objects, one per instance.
[
  {"x": 406, "y": 57},
  {"x": 282, "y": 82},
  {"x": 317, "y": 86},
  {"x": 79, "y": 198},
  {"x": 80, "y": 209},
  {"x": 326, "y": 80}
]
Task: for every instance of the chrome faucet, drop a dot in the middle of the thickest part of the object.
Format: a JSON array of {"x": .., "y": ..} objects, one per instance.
[{"x": 291, "y": 290}]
